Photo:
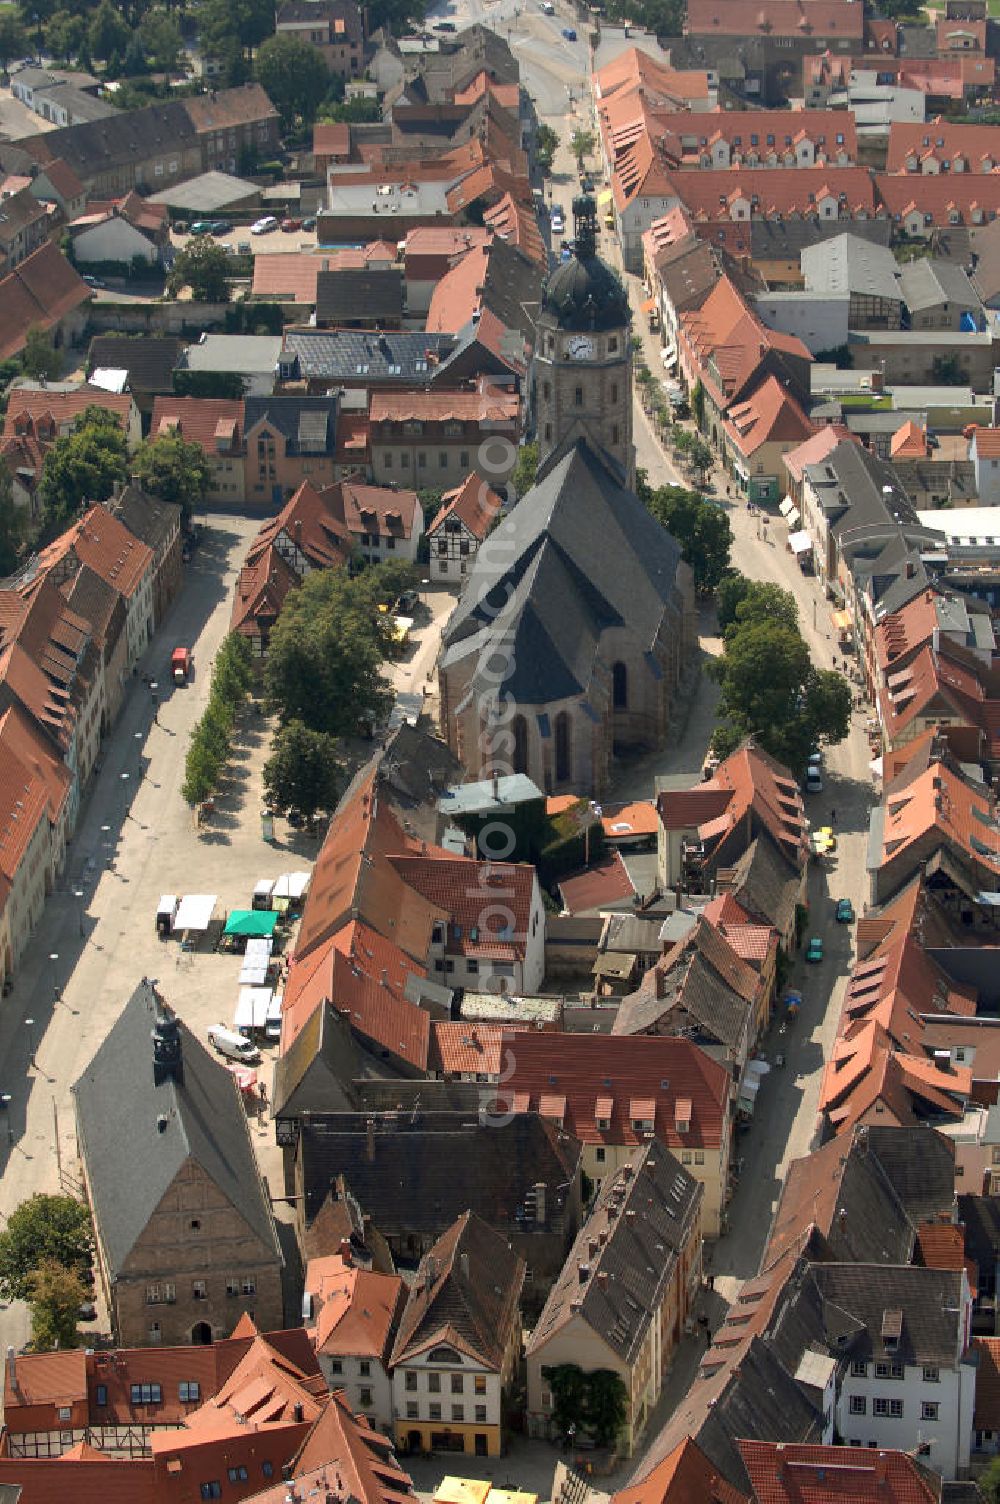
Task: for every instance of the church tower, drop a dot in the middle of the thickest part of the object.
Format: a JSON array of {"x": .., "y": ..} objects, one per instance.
[{"x": 583, "y": 355}]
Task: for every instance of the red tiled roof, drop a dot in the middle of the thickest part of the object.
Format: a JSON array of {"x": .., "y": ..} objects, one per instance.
[
  {"x": 604, "y": 882},
  {"x": 458, "y": 295},
  {"x": 909, "y": 441},
  {"x": 987, "y": 441},
  {"x": 261, "y": 587},
  {"x": 946, "y": 140},
  {"x": 332, "y": 139},
  {"x": 378, "y": 1012},
  {"x": 106, "y": 544},
  {"x": 18, "y": 736},
  {"x": 635, "y": 69},
  {"x": 726, "y": 341},
  {"x": 204, "y": 421},
  {"x": 971, "y": 196},
  {"x": 770, "y": 415},
  {"x": 461, "y": 888},
  {"x": 685, "y": 1476},
  {"x": 223, "y": 108},
  {"x": 515, "y": 222},
  {"x": 987, "y": 1412},
  {"x": 356, "y": 1310},
  {"x": 377, "y": 509},
  {"x": 39, "y": 292},
  {"x": 790, "y": 1473},
  {"x": 584, "y": 1067},
  {"x": 475, "y": 505},
  {"x": 290, "y": 274},
  {"x": 939, "y": 800},
  {"x": 781, "y": 18},
  {"x": 489, "y": 404},
  {"x": 47, "y": 413},
  {"x": 749, "y": 779},
  {"x": 343, "y": 1455},
  {"x": 85, "y": 1479},
  {"x": 460, "y": 1048},
  {"x": 314, "y": 522},
  {"x": 941, "y": 1245},
  {"x": 711, "y": 193}
]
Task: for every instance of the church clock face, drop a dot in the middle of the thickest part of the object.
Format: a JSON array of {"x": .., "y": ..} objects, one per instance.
[{"x": 579, "y": 347}]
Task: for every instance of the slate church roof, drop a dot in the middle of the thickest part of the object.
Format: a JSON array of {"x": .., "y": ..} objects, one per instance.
[
  {"x": 132, "y": 1159},
  {"x": 577, "y": 555}
]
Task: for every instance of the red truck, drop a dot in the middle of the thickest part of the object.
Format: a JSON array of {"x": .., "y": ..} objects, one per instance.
[{"x": 180, "y": 665}]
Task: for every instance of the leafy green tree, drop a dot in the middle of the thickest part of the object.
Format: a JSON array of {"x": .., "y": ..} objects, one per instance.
[
  {"x": 989, "y": 1482},
  {"x": 395, "y": 15},
  {"x": 202, "y": 265},
  {"x": 827, "y": 708},
  {"x": 55, "y": 1295},
  {"x": 702, "y": 530},
  {"x": 700, "y": 457},
  {"x": 174, "y": 470},
  {"x": 326, "y": 654},
  {"x": 64, "y": 34},
  {"x": 361, "y": 110},
  {"x": 40, "y": 360},
  {"x": 159, "y": 38},
  {"x": 13, "y": 38},
  {"x": 546, "y": 145},
  {"x": 13, "y": 525},
  {"x": 293, "y": 75},
  {"x": 304, "y": 771},
  {"x": 201, "y": 772},
  {"x": 607, "y": 1405},
  {"x": 43, "y": 1228},
  {"x": 82, "y": 466},
  {"x": 698, "y": 403},
  {"x": 665, "y": 18},
  {"x": 946, "y": 370},
  {"x": 525, "y": 469},
  {"x": 740, "y": 601},
  {"x": 107, "y": 33},
  {"x": 430, "y": 499},
  {"x": 581, "y": 144}
]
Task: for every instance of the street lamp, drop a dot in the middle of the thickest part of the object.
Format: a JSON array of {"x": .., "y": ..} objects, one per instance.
[
  {"x": 29, "y": 1024},
  {"x": 79, "y": 895},
  {"x": 53, "y": 962},
  {"x": 138, "y": 739}
]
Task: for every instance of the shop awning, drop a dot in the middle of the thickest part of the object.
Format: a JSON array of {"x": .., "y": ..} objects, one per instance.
[
  {"x": 786, "y": 507},
  {"x": 256, "y": 923},
  {"x": 195, "y": 912},
  {"x": 605, "y": 196},
  {"x": 291, "y": 885},
  {"x": 800, "y": 543},
  {"x": 649, "y": 306},
  {"x": 794, "y": 517}
]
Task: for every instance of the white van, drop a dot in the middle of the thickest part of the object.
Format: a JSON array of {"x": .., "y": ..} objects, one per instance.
[{"x": 234, "y": 1046}]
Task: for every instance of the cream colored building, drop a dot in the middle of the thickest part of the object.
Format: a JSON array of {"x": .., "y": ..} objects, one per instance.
[{"x": 625, "y": 1293}]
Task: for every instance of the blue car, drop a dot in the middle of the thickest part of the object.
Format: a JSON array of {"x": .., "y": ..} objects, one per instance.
[{"x": 569, "y": 33}]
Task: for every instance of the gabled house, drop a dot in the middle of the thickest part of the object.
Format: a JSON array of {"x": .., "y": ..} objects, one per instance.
[
  {"x": 183, "y": 1228},
  {"x": 935, "y": 820},
  {"x": 462, "y": 524},
  {"x": 157, "y": 524},
  {"x": 24, "y": 226},
  {"x": 711, "y": 825},
  {"x": 104, "y": 543},
  {"x": 614, "y": 1092},
  {"x": 625, "y": 1292},
  {"x": 42, "y": 292},
  {"x": 122, "y": 230},
  {"x": 215, "y": 424},
  {"x": 458, "y": 1347},
  {"x": 336, "y": 28},
  {"x": 354, "y": 1318},
  {"x": 290, "y": 440}
]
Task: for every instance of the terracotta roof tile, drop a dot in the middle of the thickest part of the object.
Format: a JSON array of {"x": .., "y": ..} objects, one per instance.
[
  {"x": 475, "y": 505},
  {"x": 107, "y": 546},
  {"x": 583, "y": 1067},
  {"x": 686, "y": 1476},
  {"x": 604, "y": 882},
  {"x": 781, "y": 18},
  {"x": 786, "y": 1473},
  {"x": 471, "y": 1049},
  {"x": 458, "y": 887},
  {"x": 971, "y": 196},
  {"x": 770, "y": 415},
  {"x": 946, "y": 140},
  {"x": 488, "y": 405},
  {"x": 215, "y": 424},
  {"x": 987, "y": 1413},
  {"x": 40, "y": 291},
  {"x": 357, "y": 1311}
]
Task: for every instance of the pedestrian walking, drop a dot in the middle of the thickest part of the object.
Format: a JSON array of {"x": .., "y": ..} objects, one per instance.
[{"x": 833, "y": 817}]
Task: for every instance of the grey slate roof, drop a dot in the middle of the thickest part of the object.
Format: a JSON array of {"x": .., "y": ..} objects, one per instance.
[
  {"x": 645, "y": 1212},
  {"x": 130, "y": 1163},
  {"x": 147, "y": 518},
  {"x": 348, "y": 354},
  {"x": 857, "y": 1297},
  {"x": 429, "y": 1167},
  {"x": 97, "y": 146},
  {"x": 309, "y": 424},
  {"x": 149, "y": 359},
  {"x": 374, "y": 295},
  {"x": 955, "y": 479},
  {"x": 578, "y": 554},
  {"x": 766, "y": 883},
  {"x": 693, "y": 982},
  {"x": 786, "y": 239},
  {"x": 926, "y": 284},
  {"x": 846, "y": 263}
]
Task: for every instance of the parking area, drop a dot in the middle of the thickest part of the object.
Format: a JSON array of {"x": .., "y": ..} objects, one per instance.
[{"x": 277, "y": 240}]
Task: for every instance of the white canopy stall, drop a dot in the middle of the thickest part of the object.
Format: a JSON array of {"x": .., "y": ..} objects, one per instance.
[
  {"x": 257, "y": 959},
  {"x": 195, "y": 912}
]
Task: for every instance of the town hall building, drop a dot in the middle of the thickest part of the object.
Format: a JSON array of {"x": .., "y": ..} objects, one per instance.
[{"x": 570, "y": 638}]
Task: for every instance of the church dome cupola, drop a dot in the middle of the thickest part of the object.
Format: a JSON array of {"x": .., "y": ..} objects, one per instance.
[{"x": 584, "y": 293}]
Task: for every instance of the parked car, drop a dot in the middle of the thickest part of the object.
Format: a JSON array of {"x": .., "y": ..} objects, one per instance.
[
  {"x": 814, "y": 780},
  {"x": 845, "y": 911},
  {"x": 202, "y": 227},
  {"x": 310, "y": 223},
  {"x": 569, "y": 33},
  {"x": 548, "y": 9},
  {"x": 94, "y": 282},
  {"x": 444, "y": 26},
  {"x": 181, "y": 227},
  {"x": 264, "y": 225},
  {"x": 587, "y": 185},
  {"x": 87, "y": 1311},
  {"x": 557, "y": 221},
  {"x": 290, "y": 225},
  {"x": 221, "y": 227},
  {"x": 814, "y": 950}
]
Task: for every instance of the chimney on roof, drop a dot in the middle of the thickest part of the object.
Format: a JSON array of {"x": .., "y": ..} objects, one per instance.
[
  {"x": 345, "y": 1251},
  {"x": 592, "y": 1247},
  {"x": 370, "y": 1140},
  {"x": 464, "y": 1265},
  {"x": 911, "y": 569},
  {"x": 540, "y": 1192},
  {"x": 167, "y": 1061},
  {"x": 602, "y": 1278},
  {"x": 299, "y": 1413},
  {"x": 298, "y": 532},
  {"x": 12, "y": 1370},
  {"x": 583, "y": 1272}
]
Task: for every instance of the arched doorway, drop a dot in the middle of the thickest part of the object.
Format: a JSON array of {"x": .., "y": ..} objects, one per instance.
[
  {"x": 619, "y": 686},
  {"x": 201, "y": 1334},
  {"x": 519, "y": 727},
  {"x": 563, "y": 748}
]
